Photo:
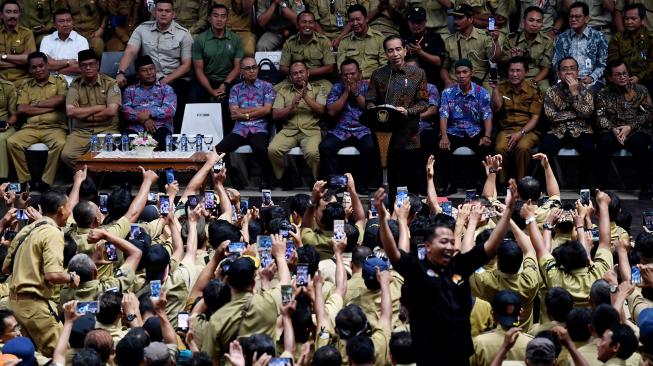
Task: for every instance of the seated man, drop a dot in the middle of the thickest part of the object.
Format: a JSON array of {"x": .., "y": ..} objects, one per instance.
[
  {"x": 149, "y": 106},
  {"x": 517, "y": 106},
  {"x": 346, "y": 103},
  {"x": 300, "y": 105},
  {"x": 277, "y": 18},
  {"x": 363, "y": 43},
  {"x": 63, "y": 46},
  {"x": 465, "y": 120},
  {"x": 569, "y": 105},
  {"x": 8, "y": 98},
  {"x": 93, "y": 103},
  {"x": 250, "y": 103},
  {"x": 18, "y": 43},
  {"x": 623, "y": 112},
  {"x": 41, "y": 101}
]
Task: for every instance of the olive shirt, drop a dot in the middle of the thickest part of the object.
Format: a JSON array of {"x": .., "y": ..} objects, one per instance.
[
  {"x": 488, "y": 344},
  {"x": 332, "y": 18},
  {"x": 477, "y": 48},
  {"x": 370, "y": 300},
  {"x": 636, "y": 51},
  {"x": 104, "y": 91},
  {"x": 525, "y": 283},
  {"x": 41, "y": 252},
  {"x": 303, "y": 119},
  {"x": 177, "y": 286},
  {"x": 218, "y": 54},
  {"x": 539, "y": 51},
  {"x": 578, "y": 281},
  {"x": 32, "y": 92},
  {"x": 228, "y": 323},
  {"x": 89, "y": 290},
  {"x": 380, "y": 340},
  {"x": 167, "y": 48},
  {"x": 8, "y": 98},
  {"x": 367, "y": 50},
  {"x": 551, "y": 12},
  {"x": 436, "y": 14},
  {"x": 316, "y": 53},
  {"x": 599, "y": 17},
  {"x": 18, "y": 41},
  {"x": 34, "y": 13},
  {"x": 518, "y": 107},
  {"x": 480, "y": 318},
  {"x": 321, "y": 240},
  {"x": 192, "y": 14},
  {"x": 648, "y": 20},
  {"x": 87, "y": 15},
  {"x": 495, "y": 7},
  {"x": 385, "y": 22}
]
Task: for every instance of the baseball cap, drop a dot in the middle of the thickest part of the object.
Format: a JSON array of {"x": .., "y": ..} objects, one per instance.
[
  {"x": 23, "y": 348},
  {"x": 463, "y": 62},
  {"x": 506, "y": 306},
  {"x": 416, "y": 13},
  {"x": 156, "y": 352},
  {"x": 540, "y": 349},
  {"x": 464, "y": 10},
  {"x": 369, "y": 266},
  {"x": 645, "y": 323}
]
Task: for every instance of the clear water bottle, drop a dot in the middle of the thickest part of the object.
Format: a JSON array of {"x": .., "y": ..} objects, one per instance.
[
  {"x": 198, "y": 142},
  {"x": 124, "y": 142},
  {"x": 94, "y": 143},
  {"x": 184, "y": 143},
  {"x": 169, "y": 142},
  {"x": 108, "y": 142}
]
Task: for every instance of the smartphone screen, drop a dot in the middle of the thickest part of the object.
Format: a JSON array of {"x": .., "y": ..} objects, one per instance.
[
  {"x": 21, "y": 215},
  {"x": 151, "y": 197},
  {"x": 264, "y": 244},
  {"x": 14, "y": 187},
  {"x": 585, "y": 197},
  {"x": 182, "y": 320},
  {"x": 244, "y": 206},
  {"x": 209, "y": 200},
  {"x": 104, "y": 201},
  {"x": 164, "y": 205},
  {"x": 218, "y": 166},
  {"x": 267, "y": 197},
  {"x": 134, "y": 230},
  {"x": 85, "y": 307},
  {"x": 338, "y": 229},
  {"x": 170, "y": 175},
  {"x": 635, "y": 276},
  {"x": 469, "y": 195},
  {"x": 490, "y": 23},
  {"x": 155, "y": 289},
  {"x": 286, "y": 294},
  {"x": 9, "y": 235},
  {"x": 290, "y": 248},
  {"x": 193, "y": 201},
  {"x": 648, "y": 220},
  {"x": 373, "y": 211},
  {"x": 421, "y": 251},
  {"x": 110, "y": 250},
  {"x": 302, "y": 274},
  {"x": 237, "y": 248},
  {"x": 280, "y": 361},
  {"x": 447, "y": 208},
  {"x": 402, "y": 196}
]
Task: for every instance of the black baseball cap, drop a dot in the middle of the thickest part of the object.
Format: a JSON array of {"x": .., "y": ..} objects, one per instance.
[
  {"x": 416, "y": 14},
  {"x": 464, "y": 10},
  {"x": 506, "y": 306}
]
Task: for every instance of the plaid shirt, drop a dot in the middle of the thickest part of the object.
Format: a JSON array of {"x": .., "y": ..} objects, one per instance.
[
  {"x": 348, "y": 120},
  {"x": 244, "y": 96},
  {"x": 465, "y": 113},
  {"x": 159, "y": 99}
]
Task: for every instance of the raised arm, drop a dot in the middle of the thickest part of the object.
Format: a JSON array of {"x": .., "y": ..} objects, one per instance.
[
  {"x": 468, "y": 241},
  {"x": 70, "y": 315},
  {"x": 191, "y": 239},
  {"x": 492, "y": 165},
  {"x": 316, "y": 196},
  {"x": 523, "y": 241},
  {"x": 279, "y": 253},
  {"x": 402, "y": 217},
  {"x": 431, "y": 193},
  {"x": 499, "y": 232},
  {"x": 385, "y": 234},
  {"x": 78, "y": 179},
  {"x": 175, "y": 231},
  {"x": 196, "y": 183},
  {"x": 552, "y": 188},
  {"x": 356, "y": 204},
  {"x": 287, "y": 310},
  {"x": 208, "y": 271},
  {"x": 137, "y": 205},
  {"x": 602, "y": 201},
  {"x": 167, "y": 330},
  {"x": 527, "y": 212},
  {"x": 385, "y": 319},
  {"x": 341, "y": 274},
  {"x": 132, "y": 253}
]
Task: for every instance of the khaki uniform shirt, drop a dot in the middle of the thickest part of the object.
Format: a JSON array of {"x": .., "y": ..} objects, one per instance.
[
  {"x": 648, "y": 21},
  {"x": 436, "y": 14},
  {"x": 367, "y": 51},
  {"x": 487, "y": 345},
  {"x": 636, "y": 50},
  {"x": 525, "y": 283},
  {"x": 321, "y": 240},
  {"x": 104, "y": 91},
  {"x": 41, "y": 252},
  {"x": 540, "y": 51},
  {"x": 590, "y": 353},
  {"x": 192, "y": 14},
  {"x": 34, "y": 13},
  {"x": 329, "y": 20},
  {"x": 18, "y": 41},
  {"x": 380, "y": 339},
  {"x": 240, "y": 20},
  {"x": 8, "y": 98},
  {"x": 477, "y": 47},
  {"x": 303, "y": 119},
  {"x": 519, "y": 106},
  {"x": 201, "y": 326},
  {"x": 167, "y": 48},
  {"x": 177, "y": 287},
  {"x": 226, "y": 324},
  {"x": 316, "y": 53},
  {"x": 89, "y": 291},
  {"x": 370, "y": 300},
  {"x": 579, "y": 281},
  {"x": 481, "y": 317},
  {"x": 496, "y": 7},
  {"x": 550, "y": 8},
  {"x": 385, "y": 21},
  {"x": 599, "y": 17},
  {"x": 33, "y": 91},
  {"x": 117, "y": 332},
  {"x": 87, "y": 15}
]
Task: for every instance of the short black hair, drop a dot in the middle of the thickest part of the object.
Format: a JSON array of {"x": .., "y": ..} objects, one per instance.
[
  {"x": 392, "y": 37},
  {"x": 87, "y": 357},
  {"x": 615, "y": 205},
  {"x": 360, "y": 350},
  {"x": 359, "y": 254},
  {"x": 215, "y": 295},
  {"x": 644, "y": 247},
  {"x": 305, "y": 12},
  {"x": 4, "y": 314},
  {"x": 614, "y": 64},
  {"x": 129, "y": 351},
  {"x": 84, "y": 214},
  {"x": 356, "y": 7},
  {"x": 332, "y": 211},
  {"x": 60, "y": 11},
  {"x": 559, "y": 303},
  {"x": 350, "y": 61},
  {"x": 221, "y": 230},
  {"x": 259, "y": 344},
  {"x": 326, "y": 356},
  {"x": 35, "y": 55},
  {"x": 351, "y": 321},
  {"x": 626, "y": 338},
  {"x": 218, "y": 6},
  {"x": 432, "y": 229},
  {"x": 309, "y": 255},
  {"x": 172, "y": 2},
  {"x": 578, "y": 322},
  {"x": 110, "y": 304},
  {"x": 559, "y": 65},
  {"x": 641, "y": 9},
  {"x": 531, "y": 9},
  {"x": 600, "y": 292},
  {"x": 298, "y": 62},
  {"x": 582, "y": 5},
  {"x": 299, "y": 202},
  {"x": 519, "y": 60},
  {"x": 51, "y": 201},
  {"x": 529, "y": 188},
  {"x": 13, "y": 2},
  {"x": 604, "y": 317},
  {"x": 401, "y": 348},
  {"x": 570, "y": 255},
  {"x": 508, "y": 260}
]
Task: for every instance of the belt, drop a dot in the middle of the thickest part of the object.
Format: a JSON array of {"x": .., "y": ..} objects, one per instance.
[
  {"x": 15, "y": 296},
  {"x": 602, "y": 27}
]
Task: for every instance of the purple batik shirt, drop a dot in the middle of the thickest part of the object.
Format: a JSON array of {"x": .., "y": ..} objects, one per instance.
[
  {"x": 159, "y": 99},
  {"x": 244, "y": 96},
  {"x": 349, "y": 118}
]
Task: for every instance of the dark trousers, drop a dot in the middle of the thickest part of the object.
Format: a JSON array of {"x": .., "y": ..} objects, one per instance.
[
  {"x": 445, "y": 158},
  {"x": 636, "y": 142},
  {"x": 159, "y": 135},
  {"x": 584, "y": 144},
  {"x": 428, "y": 139},
  {"x": 329, "y": 148},
  {"x": 258, "y": 142},
  {"x": 197, "y": 94},
  {"x": 402, "y": 165},
  {"x": 180, "y": 86}
]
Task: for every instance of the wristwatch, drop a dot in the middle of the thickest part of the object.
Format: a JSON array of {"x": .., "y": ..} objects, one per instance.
[
  {"x": 548, "y": 226},
  {"x": 4, "y": 57},
  {"x": 530, "y": 220},
  {"x": 72, "y": 278},
  {"x": 613, "y": 289},
  {"x": 131, "y": 317},
  {"x": 120, "y": 72},
  {"x": 284, "y": 5}
]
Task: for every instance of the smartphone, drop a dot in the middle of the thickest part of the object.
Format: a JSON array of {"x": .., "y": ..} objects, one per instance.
[
  {"x": 182, "y": 321},
  {"x": 193, "y": 201},
  {"x": 9, "y": 235},
  {"x": 346, "y": 199},
  {"x": 218, "y": 166},
  {"x": 134, "y": 230},
  {"x": 338, "y": 182},
  {"x": 421, "y": 251},
  {"x": 267, "y": 197},
  {"x": 155, "y": 289},
  {"x": 209, "y": 200},
  {"x": 373, "y": 211},
  {"x": 647, "y": 219},
  {"x": 85, "y": 307},
  {"x": 164, "y": 205},
  {"x": 151, "y": 197},
  {"x": 595, "y": 234},
  {"x": 283, "y": 232},
  {"x": 280, "y": 361},
  {"x": 110, "y": 250},
  {"x": 21, "y": 215},
  {"x": 170, "y": 175},
  {"x": 237, "y": 247},
  {"x": 447, "y": 208},
  {"x": 635, "y": 276},
  {"x": 338, "y": 229},
  {"x": 469, "y": 195},
  {"x": 14, "y": 187},
  {"x": 286, "y": 294},
  {"x": 402, "y": 196},
  {"x": 244, "y": 206},
  {"x": 494, "y": 71},
  {"x": 490, "y": 23},
  {"x": 104, "y": 200},
  {"x": 290, "y": 248},
  {"x": 585, "y": 197},
  {"x": 302, "y": 274},
  {"x": 264, "y": 244}
]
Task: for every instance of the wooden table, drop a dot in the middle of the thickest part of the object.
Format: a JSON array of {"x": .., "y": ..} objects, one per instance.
[{"x": 131, "y": 164}]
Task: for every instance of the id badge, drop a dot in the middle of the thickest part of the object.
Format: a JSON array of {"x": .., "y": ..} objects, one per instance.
[{"x": 340, "y": 21}]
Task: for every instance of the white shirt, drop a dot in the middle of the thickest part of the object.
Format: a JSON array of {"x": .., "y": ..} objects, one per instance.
[{"x": 58, "y": 49}]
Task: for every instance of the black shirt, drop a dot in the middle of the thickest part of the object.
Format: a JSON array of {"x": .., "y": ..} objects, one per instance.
[
  {"x": 439, "y": 302},
  {"x": 431, "y": 43}
]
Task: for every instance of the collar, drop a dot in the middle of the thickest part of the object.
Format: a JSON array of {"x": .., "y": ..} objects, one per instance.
[
  {"x": 586, "y": 32},
  {"x": 83, "y": 82},
  {"x": 224, "y": 36},
  {"x": 538, "y": 38},
  {"x": 50, "y": 80},
  {"x": 50, "y": 221},
  {"x": 156, "y": 83},
  {"x": 370, "y": 32},
  {"x": 459, "y": 91},
  {"x": 474, "y": 34},
  {"x": 256, "y": 85},
  {"x": 616, "y": 361},
  {"x": 312, "y": 40},
  {"x": 3, "y": 29},
  {"x": 293, "y": 89},
  {"x": 173, "y": 24},
  {"x": 521, "y": 90},
  {"x": 72, "y": 36}
]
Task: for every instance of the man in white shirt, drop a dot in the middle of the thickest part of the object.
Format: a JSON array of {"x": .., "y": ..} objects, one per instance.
[{"x": 62, "y": 46}]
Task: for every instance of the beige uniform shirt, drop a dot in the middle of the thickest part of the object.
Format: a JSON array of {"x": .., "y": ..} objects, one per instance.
[
  {"x": 599, "y": 16},
  {"x": 104, "y": 91},
  {"x": 332, "y": 18},
  {"x": 32, "y": 92},
  {"x": 8, "y": 99},
  {"x": 370, "y": 300},
  {"x": 366, "y": 50},
  {"x": 303, "y": 119},
  {"x": 89, "y": 291},
  {"x": 487, "y": 345},
  {"x": 316, "y": 53},
  {"x": 436, "y": 14},
  {"x": 477, "y": 48},
  {"x": 648, "y": 4},
  {"x": 18, "y": 41}
]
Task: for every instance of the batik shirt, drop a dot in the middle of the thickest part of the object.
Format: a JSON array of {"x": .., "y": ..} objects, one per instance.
[
  {"x": 566, "y": 113},
  {"x": 159, "y": 99},
  {"x": 434, "y": 100},
  {"x": 590, "y": 50},
  {"x": 348, "y": 124},
  {"x": 616, "y": 108},
  {"x": 465, "y": 113},
  {"x": 244, "y": 96}
]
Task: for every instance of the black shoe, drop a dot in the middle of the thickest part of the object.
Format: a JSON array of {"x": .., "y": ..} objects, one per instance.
[
  {"x": 287, "y": 183},
  {"x": 265, "y": 184},
  {"x": 447, "y": 190},
  {"x": 39, "y": 186},
  {"x": 645, "y": 194}
]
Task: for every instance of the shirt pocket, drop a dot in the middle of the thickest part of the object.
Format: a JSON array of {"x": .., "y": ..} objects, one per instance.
[
  {"x": 170, "y": 47},
  {"x": 352, "y": 53},
  {"x": 16, "y": 47},
  {"x": 315, "y": 56}
]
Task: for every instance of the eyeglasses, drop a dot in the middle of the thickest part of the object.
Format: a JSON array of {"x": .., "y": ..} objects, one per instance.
[
  {"x": 620, "y": 75},
  {"x": 576, "y": 16},
  {"x": 568, "y": 68},
  {"x": 249, "y": 68},
  {"x": 87, "y": 65}
]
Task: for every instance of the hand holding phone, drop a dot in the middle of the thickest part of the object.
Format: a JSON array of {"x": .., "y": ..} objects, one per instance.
[
  {"x": 302, "y": 274},
  {"x": 182, "y": 321},
  {"x": 164, "y": 205},
  {"x": 104, "y": 201},
  {"x": 155, "y": 289},
  {"x": 585, "y": 197},
  {"x": 85, "y": 307},
  {"x": 170, "y": 175}
]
